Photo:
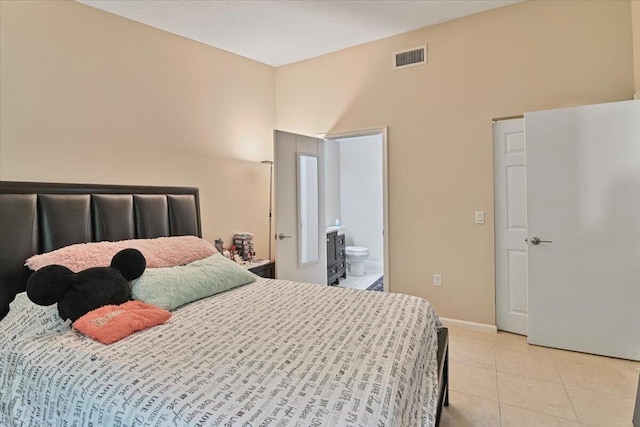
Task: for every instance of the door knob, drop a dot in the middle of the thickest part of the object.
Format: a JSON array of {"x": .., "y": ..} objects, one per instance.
[
  {"x": 283, "y": 236},
  {"x": 536, "y": 241}
]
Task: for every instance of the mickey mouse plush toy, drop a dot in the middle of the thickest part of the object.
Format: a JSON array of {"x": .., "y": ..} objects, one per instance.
[{"x": 79, "y": 293}]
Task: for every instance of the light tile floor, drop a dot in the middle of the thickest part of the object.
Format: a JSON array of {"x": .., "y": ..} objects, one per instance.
[
  {"x": 361, "y": 282},
  {"x": 500, "y": 380}
]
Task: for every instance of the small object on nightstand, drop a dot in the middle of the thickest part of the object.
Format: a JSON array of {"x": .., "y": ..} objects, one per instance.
[
  {"x": 243, "y": 241},
  {"x": 266, "y": 269},
  {"x": 219, "y": 244}
]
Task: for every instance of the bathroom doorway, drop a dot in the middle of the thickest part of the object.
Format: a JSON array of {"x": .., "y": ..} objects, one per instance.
[{"x": 355, "y": 178}]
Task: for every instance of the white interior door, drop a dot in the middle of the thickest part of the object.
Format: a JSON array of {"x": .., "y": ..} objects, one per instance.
[
  {"x": 292, "y": 251},
  {"x": 583, "y": 191},
  {"x": 510, "y": 225}
]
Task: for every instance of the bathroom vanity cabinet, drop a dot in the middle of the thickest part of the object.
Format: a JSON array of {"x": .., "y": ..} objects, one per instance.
[{"x": 336, "y": 263}]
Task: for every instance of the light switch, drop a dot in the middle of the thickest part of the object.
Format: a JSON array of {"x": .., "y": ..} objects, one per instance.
[
  {"x": 479, "y": 217},
  {"x": 437, "y": 280}
]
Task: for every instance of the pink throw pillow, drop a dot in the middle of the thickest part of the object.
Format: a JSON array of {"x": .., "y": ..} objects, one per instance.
[{"x": 160, "y": 252}]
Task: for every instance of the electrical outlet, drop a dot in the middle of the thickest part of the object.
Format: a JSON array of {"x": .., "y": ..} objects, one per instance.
[
  {"x": 437, "y": 280},
  {"x": 479, "y": 217}
]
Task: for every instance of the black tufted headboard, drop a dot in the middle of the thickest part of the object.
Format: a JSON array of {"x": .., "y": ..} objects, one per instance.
[{"x": 41, "y": 217}]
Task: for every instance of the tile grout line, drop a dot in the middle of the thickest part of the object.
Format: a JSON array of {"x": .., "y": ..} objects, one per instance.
[
  {"x": 615, "y": 396},
  {"x": 564, "y": 387},
  {"x": 546, "y": 414},
  {"x": 599, "y": 390},
  {"x": 473, "y": 366},
  {"x": 495, "y": 358},
  {"x": 534, "y": 379},
  {"x": 533, "y": 410},
  {"x": 556, "y": 364}
]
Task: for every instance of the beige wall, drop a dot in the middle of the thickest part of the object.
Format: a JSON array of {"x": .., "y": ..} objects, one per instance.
[
  {"x": 635, "y": 17},
  {"x": 529, "y": 56},
  {"x": 91, "y": 97},
  {"x": 95, "y": 98}
]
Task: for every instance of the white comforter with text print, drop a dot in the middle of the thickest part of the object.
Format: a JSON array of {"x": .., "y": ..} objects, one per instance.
[{"x": 271, "y": 353}]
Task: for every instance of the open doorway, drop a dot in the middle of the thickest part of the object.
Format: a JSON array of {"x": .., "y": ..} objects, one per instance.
[{"x": 355, "y": 207}]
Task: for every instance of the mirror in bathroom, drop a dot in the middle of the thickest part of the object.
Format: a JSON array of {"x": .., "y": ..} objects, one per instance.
[{"x": 308, "y": 209}]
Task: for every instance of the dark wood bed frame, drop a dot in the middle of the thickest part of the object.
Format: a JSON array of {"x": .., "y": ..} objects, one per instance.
[{"x": 41, "y": 217}]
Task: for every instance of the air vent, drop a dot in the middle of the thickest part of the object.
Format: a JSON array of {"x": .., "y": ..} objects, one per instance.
[{"x": 409, "y": 58}]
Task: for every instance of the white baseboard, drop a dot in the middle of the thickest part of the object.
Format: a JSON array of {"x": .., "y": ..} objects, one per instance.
[{"x": 482, "y": 327}]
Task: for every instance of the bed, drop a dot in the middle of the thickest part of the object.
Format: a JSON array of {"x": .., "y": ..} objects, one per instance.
[{"x": 272, "y": 352}]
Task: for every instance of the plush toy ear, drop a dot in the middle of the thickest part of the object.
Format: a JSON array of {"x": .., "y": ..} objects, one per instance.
[
  {"x": 49, "y": 284},
  {"x": 130, "y": 263}
]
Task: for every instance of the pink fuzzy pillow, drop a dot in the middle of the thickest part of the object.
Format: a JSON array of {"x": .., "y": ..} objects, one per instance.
[{"x": 160, "y": 252}]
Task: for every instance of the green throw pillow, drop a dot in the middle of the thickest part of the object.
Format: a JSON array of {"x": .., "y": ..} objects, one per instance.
[{"x": 172, "y": 287}]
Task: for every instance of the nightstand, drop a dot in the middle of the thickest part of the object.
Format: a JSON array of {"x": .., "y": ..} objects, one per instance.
[{"x": 266, "y": 270}]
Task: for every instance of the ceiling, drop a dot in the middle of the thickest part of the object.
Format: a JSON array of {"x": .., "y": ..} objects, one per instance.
[{"x": 279, "y": 32}]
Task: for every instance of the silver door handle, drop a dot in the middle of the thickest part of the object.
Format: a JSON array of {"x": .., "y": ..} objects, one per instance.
[
  {"x": 283, "y": 236},
  {"x": 536, "y": 241}
]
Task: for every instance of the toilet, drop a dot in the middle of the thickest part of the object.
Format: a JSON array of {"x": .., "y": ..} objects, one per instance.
[{"x": 355, "y": 260}]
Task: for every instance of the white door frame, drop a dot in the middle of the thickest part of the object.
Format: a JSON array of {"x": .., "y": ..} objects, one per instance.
[{"x": 383, "y": 132}]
